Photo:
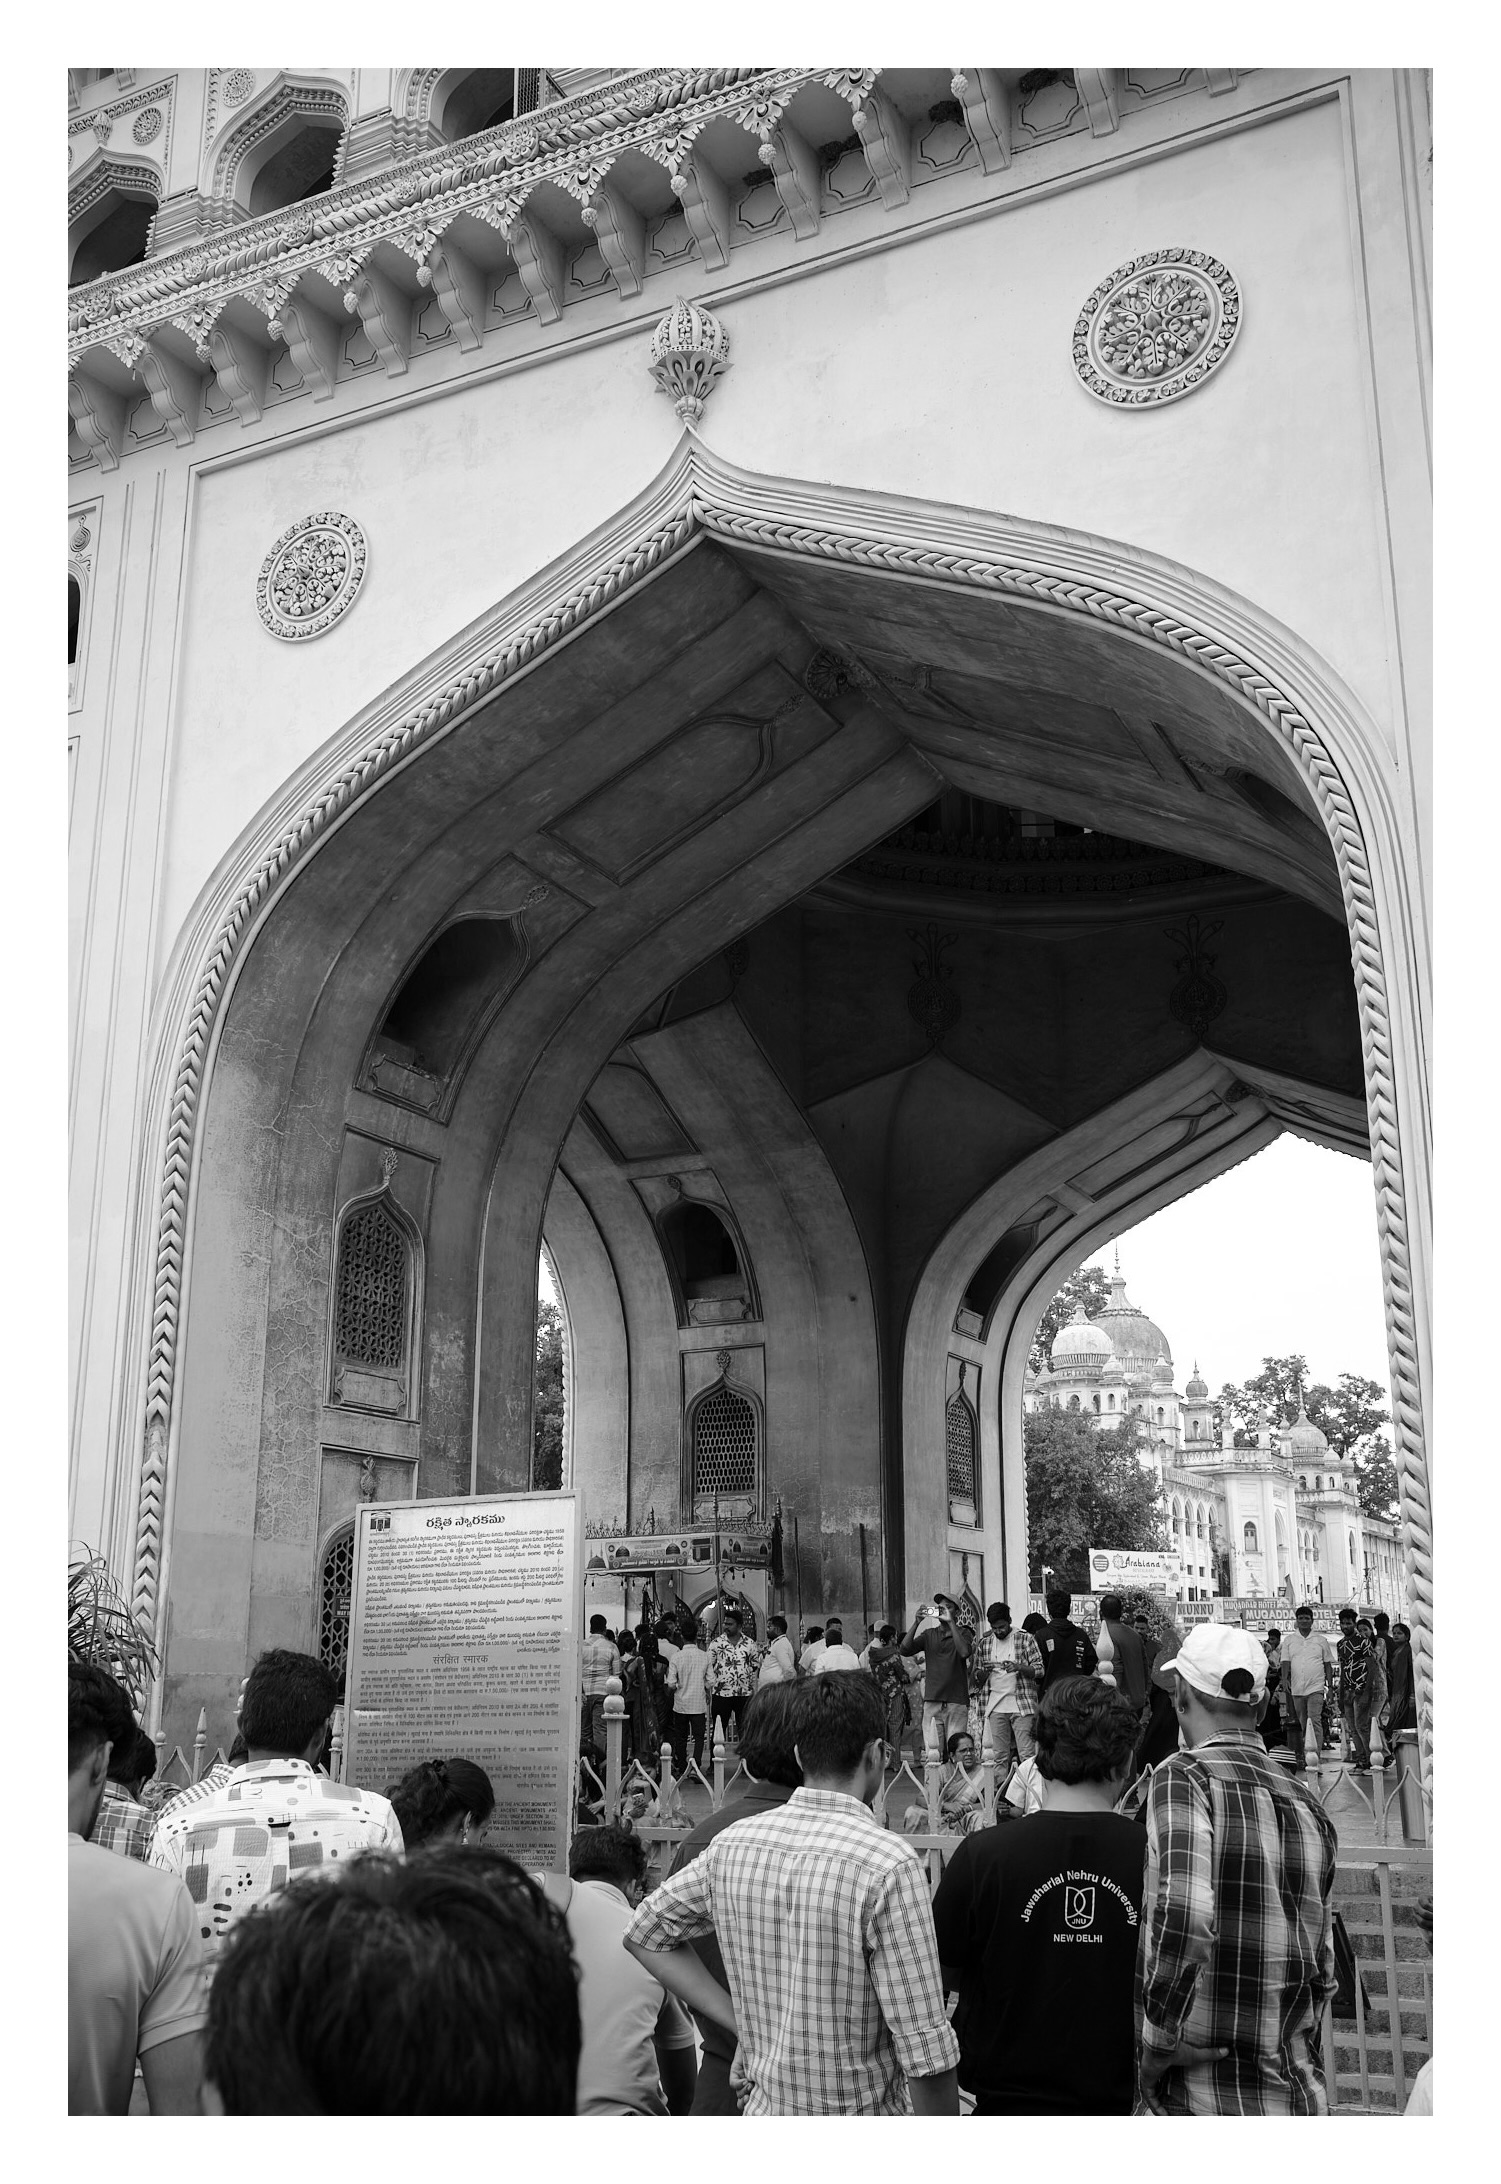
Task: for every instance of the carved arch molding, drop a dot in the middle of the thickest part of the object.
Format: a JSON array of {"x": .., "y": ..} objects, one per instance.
[{"x": 1146, "y": 599}]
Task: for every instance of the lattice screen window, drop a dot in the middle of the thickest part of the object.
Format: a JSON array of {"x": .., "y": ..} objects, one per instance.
[
  {"x": 335, "y": 1585},
  {"x": 724, "y": 1445},
  {"x": 370, "y": 1305},
  {"x": 959, "y": 1435}
]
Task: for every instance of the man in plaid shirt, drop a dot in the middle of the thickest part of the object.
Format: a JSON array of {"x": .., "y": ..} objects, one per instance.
[
  {"x": 1237, "y": 1952},
  {"x": 826, "y": 1931},
  {"x": 1006, "y": 1674}
]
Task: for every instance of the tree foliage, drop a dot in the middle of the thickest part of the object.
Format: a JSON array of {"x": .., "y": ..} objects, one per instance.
[
  {"x": 1089, "y": 1286},
  {"x": 1085, "y": 1488},
  {"x": 1350, "y": 1416},
  {"x": 547, "y": 1398}
]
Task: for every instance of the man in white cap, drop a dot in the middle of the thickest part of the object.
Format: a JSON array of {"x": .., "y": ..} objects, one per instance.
[{"x": 1238, "y": 1943}]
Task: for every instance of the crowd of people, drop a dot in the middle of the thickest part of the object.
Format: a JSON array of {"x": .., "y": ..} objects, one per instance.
[{"x": 273, "y": 1941}]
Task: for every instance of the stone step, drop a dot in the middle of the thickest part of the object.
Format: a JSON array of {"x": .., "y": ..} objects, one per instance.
[
  {"x": 1409, "y": 1884},
  {"x": 1410, "y": 1978}
]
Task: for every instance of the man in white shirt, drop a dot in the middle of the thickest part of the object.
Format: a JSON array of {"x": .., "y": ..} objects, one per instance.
[
  {"x": 812, "y": 1647},
  {"x": 275, "y": 1819},
  {"x": 836, "y": 1654},
  {"x": 1307, "y": 1671},
  {"x": 685, "y": 1680},
  {"x": 637, "y": 2054},
  {"x": 780, "y": 1662}
]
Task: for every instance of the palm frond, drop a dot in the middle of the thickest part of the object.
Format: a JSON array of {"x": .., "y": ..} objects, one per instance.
[{"x": 102, "y": 1628}]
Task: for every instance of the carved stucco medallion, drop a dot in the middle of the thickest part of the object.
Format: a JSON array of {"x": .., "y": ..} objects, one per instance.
[
  {"x": 1156, "y": 328},
  {"x": 311, "y": 575},
  {"x": 147, "y": 125},
  {"x": 237, "y": 86}
]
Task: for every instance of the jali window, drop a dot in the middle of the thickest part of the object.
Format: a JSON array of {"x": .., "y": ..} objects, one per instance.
[
  {"x": 959, "y": 1442},
  {"x": 724, "y": 1445},
  {"x": 335, "y": 1586},
  {"x": 370, "y": 1291}
]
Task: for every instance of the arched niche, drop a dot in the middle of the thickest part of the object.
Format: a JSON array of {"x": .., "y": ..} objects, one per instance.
[
  {"x": 112, "y": 204},
  {"x": 281, "y": 147},
  {"x": 437, "y": 1014}
]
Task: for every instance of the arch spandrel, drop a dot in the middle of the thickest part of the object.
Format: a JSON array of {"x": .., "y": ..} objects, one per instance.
[{"x": 1033, "y": 578}]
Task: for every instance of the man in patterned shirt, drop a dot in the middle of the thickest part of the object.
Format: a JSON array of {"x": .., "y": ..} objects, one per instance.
[
  {"x": 1006, "y": 1673},
  {"x": 274, "y": 1819},
  {"x": 730, "y": 1677},
  {"x": 1237, "y": 1944},
  {"x": 826, "y": 1931}
]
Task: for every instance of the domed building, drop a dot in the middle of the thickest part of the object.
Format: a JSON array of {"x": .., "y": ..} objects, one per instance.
[{"x": 1281, "y": 1519}]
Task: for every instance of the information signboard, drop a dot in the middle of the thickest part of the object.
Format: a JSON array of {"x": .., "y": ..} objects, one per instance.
[
  {"x": 1113, "y": 1567},
  {"x": 465, "y": 1635}
]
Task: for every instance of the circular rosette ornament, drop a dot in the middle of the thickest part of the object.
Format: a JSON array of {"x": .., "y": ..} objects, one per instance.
[
  {"x": 689, "y": 350},
  {"x": 1156, "y": 328},
  {"x": 311, "y": 575}
]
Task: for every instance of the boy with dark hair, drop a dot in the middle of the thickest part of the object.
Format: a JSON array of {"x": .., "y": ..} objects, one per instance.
[
  {"x": 274, "y": 1817},
  {"x": 1066, "y": 1650},
  {"x": 636, "y": 2057},
  {"x": 944, "y": 1644},
  {"x": 135, "y": 1963},
  {"x": 1038, "y": 1924},
  {"x": 123, "y": 1823},
  {"x": 826, "y": 1930},
  {"x": 439, "y": 1986}
]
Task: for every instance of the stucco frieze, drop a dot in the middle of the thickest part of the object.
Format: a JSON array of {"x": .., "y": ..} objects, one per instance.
[{"x": 1157, "y": 327}]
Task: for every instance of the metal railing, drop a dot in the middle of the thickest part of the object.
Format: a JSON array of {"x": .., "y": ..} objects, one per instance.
[{"x": 193, "y": 1768}]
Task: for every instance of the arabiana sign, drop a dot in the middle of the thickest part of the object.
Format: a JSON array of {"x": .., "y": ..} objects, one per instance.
[{"x": 1133, "y": 1566}]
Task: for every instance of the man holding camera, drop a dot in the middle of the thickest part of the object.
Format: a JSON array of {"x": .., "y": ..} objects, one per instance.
[{"x": 944, "y": 1643}]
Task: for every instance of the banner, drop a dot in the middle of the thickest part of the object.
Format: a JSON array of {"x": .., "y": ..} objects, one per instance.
[
  {"x": 641, "y": 1553},
  {"x": 1110, "y": 1568},
  {"x": 465, "y": 1633}
]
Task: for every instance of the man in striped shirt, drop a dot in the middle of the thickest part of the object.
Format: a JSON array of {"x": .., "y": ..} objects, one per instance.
[
  {"x": 1237, "y": 1945},
  {"x": 826, "y": 1931}
]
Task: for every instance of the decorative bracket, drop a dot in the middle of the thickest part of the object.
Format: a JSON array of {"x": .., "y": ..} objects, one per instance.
[
  {"x": 987, "y": 110},
  {"x": 794, "y": 169},
  {"x": 176, "y": 391},
  {"x": 539, "y": 260},
  {"x": 98, "y": 414},
  {"x": 621, "y": 235},
  {"x": 241, "y": 366},
  {"x": 1220, "y": 80},
  {"x": 460, "y": 289},
  {"x": 705, "y": 198},
  {"x": 312, "y": 338},
  {"x": 1097, "y": 88},
  {"x": 385, "y": 312},
  {"x": 888, "y": 147}
]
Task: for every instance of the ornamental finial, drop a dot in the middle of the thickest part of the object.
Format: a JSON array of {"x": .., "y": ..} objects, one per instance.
[{"x": 689, "y": 350}]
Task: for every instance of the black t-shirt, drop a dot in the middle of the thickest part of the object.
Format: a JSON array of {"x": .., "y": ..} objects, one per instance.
[
  {"x": 1039, "y": 1920},
  {"x": 1066, "y": 1651}
]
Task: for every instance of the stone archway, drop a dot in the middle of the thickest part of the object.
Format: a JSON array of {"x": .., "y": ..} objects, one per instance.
[{"x": 707, "y": 566}]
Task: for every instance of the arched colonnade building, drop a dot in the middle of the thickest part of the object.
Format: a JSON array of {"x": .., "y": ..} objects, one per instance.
[{"x": 817, "y": 855}]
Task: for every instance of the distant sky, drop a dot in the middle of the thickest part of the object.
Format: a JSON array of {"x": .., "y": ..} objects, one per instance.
[{"x": 1278, "y": 1255}]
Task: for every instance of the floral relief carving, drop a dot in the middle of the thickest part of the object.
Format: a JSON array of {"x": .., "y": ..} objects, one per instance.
[
  {"x": 147, "y": 126},
  {"x": 238, "y": 85},
  {"x": 311, "y": 575},
  {"x": 1157, "y": 327}
]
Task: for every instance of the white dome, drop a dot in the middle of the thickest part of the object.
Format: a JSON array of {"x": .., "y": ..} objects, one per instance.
[
  {"x": 1080, "y": 1346},
  {"x": 1304, "y": 1437}
]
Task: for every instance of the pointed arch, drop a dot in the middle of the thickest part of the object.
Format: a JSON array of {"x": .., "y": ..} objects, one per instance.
[{"x": 1281, "y": 688}]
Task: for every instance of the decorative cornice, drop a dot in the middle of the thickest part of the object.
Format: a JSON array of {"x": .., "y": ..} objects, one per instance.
[
  {"x": 1146, "y": 600},
  {"x": 515, "y": 157}
]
